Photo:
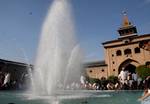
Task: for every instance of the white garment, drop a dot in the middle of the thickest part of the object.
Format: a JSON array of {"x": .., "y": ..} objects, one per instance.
[
  {"x": 149, "y": 91},
  {"x": 130, "y": 82},
  {"x": 123, "y": 75},
  {"x": 7, "y": 78},
  {"x": 82, "y": 80},
  {"x": 134, "y": 77}
]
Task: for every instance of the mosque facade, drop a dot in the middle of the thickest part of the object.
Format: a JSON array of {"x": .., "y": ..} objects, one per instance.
[{"x": 125, "y": 53}]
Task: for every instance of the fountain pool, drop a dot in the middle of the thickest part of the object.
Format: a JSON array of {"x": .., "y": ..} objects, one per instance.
[{"x": 73, "y": 97}]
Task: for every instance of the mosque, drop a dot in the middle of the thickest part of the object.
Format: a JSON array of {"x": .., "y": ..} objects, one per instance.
[{"x": 125, "y": 53}]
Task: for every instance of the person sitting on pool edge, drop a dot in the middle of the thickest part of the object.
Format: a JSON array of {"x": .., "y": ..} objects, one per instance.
[{"x": 147, "y": 89}]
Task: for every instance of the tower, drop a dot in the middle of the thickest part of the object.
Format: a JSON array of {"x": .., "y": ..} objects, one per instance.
[{"x": 127, "y": 29}]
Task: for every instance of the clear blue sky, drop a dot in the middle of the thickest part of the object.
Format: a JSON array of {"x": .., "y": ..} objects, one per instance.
[{"x": 96, "y": 21}]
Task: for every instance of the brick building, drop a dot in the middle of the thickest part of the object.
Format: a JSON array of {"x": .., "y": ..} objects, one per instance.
[{"x": 124, "y": 53}]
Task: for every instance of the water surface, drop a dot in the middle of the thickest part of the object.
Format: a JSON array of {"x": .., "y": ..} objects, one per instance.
[{"x": 72, "y": 97}]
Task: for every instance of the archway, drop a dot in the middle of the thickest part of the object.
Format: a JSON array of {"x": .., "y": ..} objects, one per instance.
[
  {"x": 129, "y": 65},
  {"x": 130, "y": 68}
]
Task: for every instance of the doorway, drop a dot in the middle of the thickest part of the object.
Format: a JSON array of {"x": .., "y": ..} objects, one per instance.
[{"x": 130, "y": 68}]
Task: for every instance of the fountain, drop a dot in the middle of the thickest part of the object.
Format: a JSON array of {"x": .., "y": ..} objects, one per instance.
[
  {"x": 58, "y": 59},
  {"x": 58, "y": 62}
]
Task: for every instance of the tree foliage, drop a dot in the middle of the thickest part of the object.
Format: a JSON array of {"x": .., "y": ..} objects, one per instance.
[
  {"x": 143, "y": 71},
  {"x": 93, "y": 80},
  {"x": 113, "y": 79}
]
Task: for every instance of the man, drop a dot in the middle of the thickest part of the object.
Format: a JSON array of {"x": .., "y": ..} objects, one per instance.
[{"x": 147, "y": 89}]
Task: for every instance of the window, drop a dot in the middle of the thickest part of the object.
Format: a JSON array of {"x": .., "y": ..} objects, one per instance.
[
  {"x": 102, "y": 70},
  {"x": 113, "y": 62},
  {"x": 147, "y": 64},
  {"x": 113, "y": 69},
  {"x": 126, "y": 31},
  {"x": 118, "y": 53},
  {"x": 127, "y": 51},
  {"x": 137, "y": 50},
  {"x": 135, "y": 30},
  {"x": 126, "y": 42},
  {"x": 130, "y": 30},
  {"x": 121, "y": 32},
  {"x": 103, "y": 78},
  {"x": 112, "y": 55},
  {"x": 90, "y": 71}
]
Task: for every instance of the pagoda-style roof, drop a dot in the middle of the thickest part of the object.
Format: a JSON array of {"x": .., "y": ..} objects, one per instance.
[{"x": 127, "y": 28}]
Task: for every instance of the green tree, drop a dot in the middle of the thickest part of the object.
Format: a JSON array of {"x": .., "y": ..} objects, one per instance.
[
  {"x": 113, "y": 79},
  {"x": 94, "y": 80},
  {"x": 143, "y": 71}
]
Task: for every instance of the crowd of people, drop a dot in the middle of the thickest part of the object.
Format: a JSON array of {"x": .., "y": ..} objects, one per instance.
[
  {"x": 86, "y": 84},
  {"x": 130, "y": 80},
  {"x": 125, "y": 81},
  {"x": 7, "y": 82}
]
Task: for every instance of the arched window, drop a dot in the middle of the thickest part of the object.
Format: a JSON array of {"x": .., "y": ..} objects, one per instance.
[
  {"x": 102, "y": 70},
  {"x": 127, "y": 51},
  {"x": 137, "y": 50},
  {"x": 103, "y": 78},
  {"x": 118, "y": 53},
  {"x": 147, "y": 64}
]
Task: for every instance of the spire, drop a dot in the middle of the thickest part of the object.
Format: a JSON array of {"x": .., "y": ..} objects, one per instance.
[
  {"x": 127, "y": 29},
  {"x": 126, "y": 22}
]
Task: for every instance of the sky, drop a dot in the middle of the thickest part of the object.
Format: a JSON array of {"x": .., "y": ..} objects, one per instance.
[{"x": 96, "y": 21}]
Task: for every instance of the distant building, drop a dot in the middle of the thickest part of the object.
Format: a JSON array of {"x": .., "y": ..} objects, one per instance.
[
  {"x": 97, "y": 69},
  {"x": 124, "y": 53},
  {"x": 18, "y": 74}
]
